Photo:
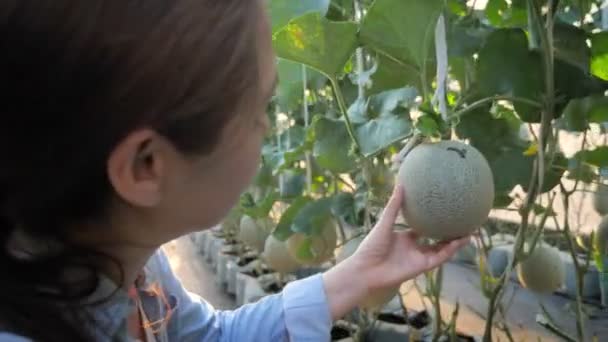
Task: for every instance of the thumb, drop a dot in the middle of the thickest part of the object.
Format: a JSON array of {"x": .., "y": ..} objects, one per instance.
[{"x": 387, "y": 220}]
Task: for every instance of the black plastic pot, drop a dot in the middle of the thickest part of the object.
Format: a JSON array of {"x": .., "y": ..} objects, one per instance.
[{"x": 389, "y": 327}]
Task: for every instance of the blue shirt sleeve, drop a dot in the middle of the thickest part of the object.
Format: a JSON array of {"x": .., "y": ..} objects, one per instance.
[
  {"x": 299, "y": 313},
  {"x": 8, "y": 337}
]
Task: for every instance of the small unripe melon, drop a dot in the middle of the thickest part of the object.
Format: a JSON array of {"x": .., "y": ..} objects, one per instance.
[
  {"x": 254, "y": 232},
  {"x": 600, "y": 199},
  {"x": 543, "y": 271},
  {"x": 231, "y": 222},
  {"x": 277, "y": 256},
  {"x": 316, "y": 249},
  {"x": 448, "y": 189},
  {"x": 382, "y": 179}
]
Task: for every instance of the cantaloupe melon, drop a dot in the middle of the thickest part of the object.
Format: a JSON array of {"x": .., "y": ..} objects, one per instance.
[
  {"x": 253, "y": 232},
  {"x": 277, "y": 256},
  {"x": 448, "y": 189},
  {"x": 316, "y": 249},
  {"x": 600, "y": 199},
  {"x": 543, "y": 271}
]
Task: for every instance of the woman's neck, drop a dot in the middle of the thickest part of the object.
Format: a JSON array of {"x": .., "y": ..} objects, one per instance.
[
  {"x": 131, "y": 259},
  {"x": 127, "y": 255}
]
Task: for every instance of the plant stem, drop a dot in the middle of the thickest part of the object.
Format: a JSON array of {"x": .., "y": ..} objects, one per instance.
[
  {"x": 344, "y": 111},
  {"x": 343, "y": 181},
  {"x": 496, "y": 295},
  {"x": 436, "y": 282},
  {"x": 487, "y": 334},
  {"x": 580, "y": 273},
  {"x": 505, "y": 326},
  {"x": 547, "y": 115},
  {"x": 491, "y": 99}
]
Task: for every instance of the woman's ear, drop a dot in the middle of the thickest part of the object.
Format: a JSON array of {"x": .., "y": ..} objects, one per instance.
[{"x": 136, "y": 168}]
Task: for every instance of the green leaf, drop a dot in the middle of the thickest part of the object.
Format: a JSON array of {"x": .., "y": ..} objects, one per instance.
[
  {"x": 490, "y": 133},
  {"x": 304, "y": 251},
  {"x": 457, "y": 7},
  {"x": 553, "y": 175},
  {"x": 261, "y": 210},
  {"x": 391, "y": 75},
  {"x": 580, "y": 112},
  {"x": 282, "y": 11},
  {"x": 496, "y": 136},
  {"x": 292, "y": 184},
  {"x": 290, "y": 90},
  {"x": 574, "y": 117},
  {"x": 573, "y": 82},
  {"x": 465, "y": 37},
  {"x": 343, "y": 206},
  {"x": 506, "y": 67},
  {"x": 580, "y": 171},
  {"x": 494, "y": 10},
  {"x": 428, "y": 126},
  {"x": 599, "y": 55},
  {"x": 403, "y": 29},
  {"x": 341, "y": 10},
  {"x": 598, "y": 109},
  {"x": 286, "y": 160},
  {"x": 357, "y": 112},
  {"x": 283, "y": 230},
  {"x": 462, "y": 70},
  {"x": 580, "y": 6},
  {"x": 570, "y": 44},
  {"x": 510, "y": 168},
  {"x": 264, "y": 177},
  {"x": 332, "y": 145},
  {"x": 292, "y": 137},
  {"x": 313, "y": 216},
  {"x": 379, "y": 133},
  {"x": 294, "y": 143},
  {"x": 597, "y": 157},
  {"x": 317, "y": 42},
  {"x": 394, "y": 101},
  {"x": 500, "y": 14}
]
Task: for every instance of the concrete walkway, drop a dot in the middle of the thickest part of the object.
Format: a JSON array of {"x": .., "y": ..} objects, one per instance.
[{"x": 195, "y": 273}]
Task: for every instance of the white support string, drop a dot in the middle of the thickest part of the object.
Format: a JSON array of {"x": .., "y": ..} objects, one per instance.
[
  {"x": 306, "y": 124},
  {"x": 441, "y": 50}
]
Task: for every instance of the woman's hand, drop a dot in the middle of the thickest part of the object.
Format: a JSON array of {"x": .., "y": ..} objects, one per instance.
[{"x": 385, "y": 259}]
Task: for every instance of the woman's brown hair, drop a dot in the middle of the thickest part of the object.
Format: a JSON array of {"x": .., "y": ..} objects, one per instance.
[{"x": 76, "y": 77}]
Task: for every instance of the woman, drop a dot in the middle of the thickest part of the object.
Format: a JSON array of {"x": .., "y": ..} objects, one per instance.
[{"x": 126, "y": 124}]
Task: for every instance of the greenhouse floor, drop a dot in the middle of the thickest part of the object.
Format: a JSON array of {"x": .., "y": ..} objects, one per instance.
[
  {"x": 195, "y": 274},
  {"x": 461, "y": 283}
]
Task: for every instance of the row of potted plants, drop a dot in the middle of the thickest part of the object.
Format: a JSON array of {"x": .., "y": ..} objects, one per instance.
[{"x": 242, "y": 274}]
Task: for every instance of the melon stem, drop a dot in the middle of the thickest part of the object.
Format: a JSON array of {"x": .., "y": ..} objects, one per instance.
[{"x": 344, "y": 111}]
